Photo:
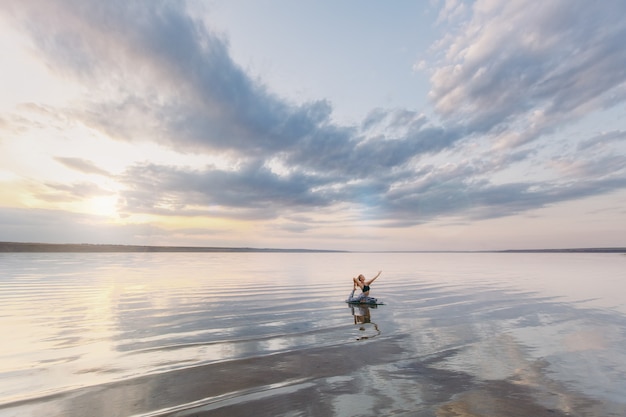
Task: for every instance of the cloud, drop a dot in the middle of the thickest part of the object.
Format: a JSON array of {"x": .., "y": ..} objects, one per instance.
[
  {"x": 55, "y": 192},
  {"x": 82, "y": 165},
  {"x": 484, "y": 200},
  {"x": 459, "y": 190},
  {"x": 603, "y": 140},
  {"x": 158, "y": 74},
  {"x": 252, "y": 192},
  {"x": 205, "y": 102},
  {"x": 531, "y": 69},
  {"x": 52, "y": 226}
]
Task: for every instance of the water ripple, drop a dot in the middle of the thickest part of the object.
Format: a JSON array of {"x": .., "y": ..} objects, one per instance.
[{"x": 81, "y": 320}]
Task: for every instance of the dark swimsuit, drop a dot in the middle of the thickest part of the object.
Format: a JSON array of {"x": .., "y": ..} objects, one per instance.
[{"x": 366, "y": 288}]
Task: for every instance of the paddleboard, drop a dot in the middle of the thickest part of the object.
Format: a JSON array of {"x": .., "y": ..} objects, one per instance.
[{"x": 366, "y": 302}]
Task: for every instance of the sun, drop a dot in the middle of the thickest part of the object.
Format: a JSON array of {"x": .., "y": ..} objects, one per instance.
[{"x": 102, "y": 206}]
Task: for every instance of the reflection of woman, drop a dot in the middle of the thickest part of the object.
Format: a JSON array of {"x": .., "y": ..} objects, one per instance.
[
  {"x": 364, "y": 285},
  {"x": 362, "y": 315},
  {"x": 362, "y": 318}
]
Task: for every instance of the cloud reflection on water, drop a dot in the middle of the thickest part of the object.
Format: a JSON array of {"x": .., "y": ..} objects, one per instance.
[{"x": 458, "y": 338}]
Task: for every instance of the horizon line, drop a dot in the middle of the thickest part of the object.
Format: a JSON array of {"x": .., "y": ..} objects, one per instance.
[{"x": 14, "y": 247}]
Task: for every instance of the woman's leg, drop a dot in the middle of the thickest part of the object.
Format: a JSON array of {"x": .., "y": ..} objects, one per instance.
[{"x": 353, "y": 299}]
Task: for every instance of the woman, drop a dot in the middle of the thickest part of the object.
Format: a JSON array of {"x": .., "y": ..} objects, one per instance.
[{"x": 364, "y": 285}]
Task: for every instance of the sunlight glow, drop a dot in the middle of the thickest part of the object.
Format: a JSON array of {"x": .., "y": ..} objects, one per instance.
[{"x": 103, "y": 206}]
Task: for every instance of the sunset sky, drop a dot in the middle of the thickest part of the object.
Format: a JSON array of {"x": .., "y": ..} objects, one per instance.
[{"x": 352, "y": 125}]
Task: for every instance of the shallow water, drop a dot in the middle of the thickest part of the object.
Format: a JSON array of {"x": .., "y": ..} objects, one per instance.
[{"x": 269, "y": 333}]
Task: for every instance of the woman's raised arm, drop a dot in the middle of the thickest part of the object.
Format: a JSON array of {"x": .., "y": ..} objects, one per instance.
[{"x": 372, "y": 280}]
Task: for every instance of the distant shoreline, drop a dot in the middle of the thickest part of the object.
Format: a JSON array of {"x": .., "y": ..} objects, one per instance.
[
  {"x": 574, "y": 250},
  {"x": 564, "y": 250},
  {"x": 15, "y": 247}
]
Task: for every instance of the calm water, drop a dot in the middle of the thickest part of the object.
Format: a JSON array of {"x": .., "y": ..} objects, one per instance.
[{"x": 551, "y": 327}]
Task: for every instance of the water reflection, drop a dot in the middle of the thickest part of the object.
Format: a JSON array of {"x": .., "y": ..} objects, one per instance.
[
  {"x": 363, "y": 318},
  {"x": 464, "y": 336}
]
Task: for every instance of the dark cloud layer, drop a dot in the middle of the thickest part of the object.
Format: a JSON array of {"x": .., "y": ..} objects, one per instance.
[
  {"x": 253, "y": 189},
  {"x": 175, "y": 83}
]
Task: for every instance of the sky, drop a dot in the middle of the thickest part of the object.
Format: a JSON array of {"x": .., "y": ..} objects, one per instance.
[{"x": 354, "y": 125}]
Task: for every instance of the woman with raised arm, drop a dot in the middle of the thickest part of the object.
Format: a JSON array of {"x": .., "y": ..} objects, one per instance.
[{"x": 364, "y": 285}]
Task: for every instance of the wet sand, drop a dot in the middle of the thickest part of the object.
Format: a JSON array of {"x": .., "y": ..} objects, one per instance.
[
  {"x": 213, "y": 385},
  {"x": 365, "y": 378}
]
